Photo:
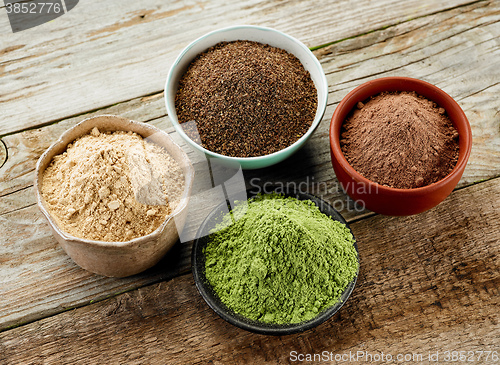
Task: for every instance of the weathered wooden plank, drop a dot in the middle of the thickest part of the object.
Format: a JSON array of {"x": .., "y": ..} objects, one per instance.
[
  {"x": 473, "y": 28},
  {"x": 80, "y": 61},
  {"x": 43, "y": 267},
  {"x": 3, "y": 153},
  {"x": 432, "y": 289}
]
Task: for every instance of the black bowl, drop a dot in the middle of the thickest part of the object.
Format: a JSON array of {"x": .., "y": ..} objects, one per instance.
[{"x": 207, "y": 292}]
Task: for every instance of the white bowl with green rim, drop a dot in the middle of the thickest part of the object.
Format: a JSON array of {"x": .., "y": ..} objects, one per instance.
[{"x": 264, "y": 35}]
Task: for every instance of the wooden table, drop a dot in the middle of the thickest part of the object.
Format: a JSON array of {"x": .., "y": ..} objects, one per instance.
[{"x": 428, "y": 284}]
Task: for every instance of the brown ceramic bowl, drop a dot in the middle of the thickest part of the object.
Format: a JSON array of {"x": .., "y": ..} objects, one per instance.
[
  {"x": 383, "y": 199},
  {"x": 119, "y": 259}
]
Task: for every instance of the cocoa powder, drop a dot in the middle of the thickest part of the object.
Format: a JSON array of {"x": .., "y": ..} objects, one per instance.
[{"x": 401, "y": 140}]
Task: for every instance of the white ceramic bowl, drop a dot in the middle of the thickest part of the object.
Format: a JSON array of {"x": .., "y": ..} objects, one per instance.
[
  {"x": 262, "y": 35},
  {"x": 119, "y": 259}
]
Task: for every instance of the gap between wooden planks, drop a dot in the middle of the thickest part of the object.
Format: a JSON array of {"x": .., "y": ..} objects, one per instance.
[
  {"x": 80, "y": 61},
  {"x": 40, "y": 280},
  {"x": 427, "y": 283}
]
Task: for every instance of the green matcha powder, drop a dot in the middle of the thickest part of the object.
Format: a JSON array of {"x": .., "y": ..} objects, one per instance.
[{"x": 279, "y": 260}]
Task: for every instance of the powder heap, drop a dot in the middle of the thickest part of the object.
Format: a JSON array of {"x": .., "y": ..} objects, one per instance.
[
  {"x": 401, "y": 140},
  {"x": 112, "y": 186},
  {"x": 246, "y": 99},
  {"x": 281, "y": 261}
]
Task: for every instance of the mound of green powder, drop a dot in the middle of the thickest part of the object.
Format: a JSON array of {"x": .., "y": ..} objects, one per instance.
[{"x": 279, "y": 260}]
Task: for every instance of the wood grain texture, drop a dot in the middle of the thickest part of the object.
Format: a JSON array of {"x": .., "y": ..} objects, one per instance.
[
  {"x": 434, "y": 288},
  {"x": 419, "y": 48},
  {"x": 3, "y": 153},
  {"x": 100, "y": 53}
]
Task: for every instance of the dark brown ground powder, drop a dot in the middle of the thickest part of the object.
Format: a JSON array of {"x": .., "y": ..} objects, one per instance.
[
  {"x": 246, "y": 99},
  {"x": 401, "y": 140}
]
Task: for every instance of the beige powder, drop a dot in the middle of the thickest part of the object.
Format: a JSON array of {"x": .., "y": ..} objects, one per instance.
[{"x": 112, "y": 186}]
